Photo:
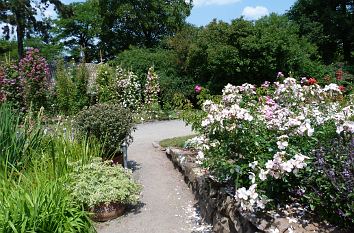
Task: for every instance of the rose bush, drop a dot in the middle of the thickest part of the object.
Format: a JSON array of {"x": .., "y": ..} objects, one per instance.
[
  {"x": 34, "y": 72},
  {"x": 268, "y": 142},
  {"x": 11, "y": 85}
]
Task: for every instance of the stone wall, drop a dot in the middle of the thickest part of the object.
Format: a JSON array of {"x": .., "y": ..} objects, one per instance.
[{"x": 220, "y": 209}]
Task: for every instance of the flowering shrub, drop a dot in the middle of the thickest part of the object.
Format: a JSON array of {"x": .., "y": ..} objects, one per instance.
[
  {"x": 152, "y": 89},
  {"x": 266, "y": 142},
  {"x": 11, "y": 86},
  {"x": 34, "y": 72},
  {"x": 118, "y": 85},
  {"x": 126, "y": 89}
]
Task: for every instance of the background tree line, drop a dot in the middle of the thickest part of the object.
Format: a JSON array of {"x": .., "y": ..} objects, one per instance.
[{"x": 313, "y": 38}]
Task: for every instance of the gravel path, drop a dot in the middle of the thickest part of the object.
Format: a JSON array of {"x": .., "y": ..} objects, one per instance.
[{"x": 167, "y": 204}]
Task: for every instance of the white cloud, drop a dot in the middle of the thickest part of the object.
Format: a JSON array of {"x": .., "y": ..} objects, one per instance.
[
  {"x": 213, "y": 2},
  {"x": 254, "y": 13}
]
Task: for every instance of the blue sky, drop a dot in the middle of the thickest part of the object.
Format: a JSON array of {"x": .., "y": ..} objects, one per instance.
[{"x": 205, "y": 11}]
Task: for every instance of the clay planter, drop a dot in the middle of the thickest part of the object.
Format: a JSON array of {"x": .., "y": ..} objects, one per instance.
[
  {"x": 116, "y": 159},
  {"x": 105, "y": 212}
]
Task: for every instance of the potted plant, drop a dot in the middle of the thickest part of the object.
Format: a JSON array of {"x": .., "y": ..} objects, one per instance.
[
  {"x": 112, "y": 124},
  {"x": 103, "y": 188}
]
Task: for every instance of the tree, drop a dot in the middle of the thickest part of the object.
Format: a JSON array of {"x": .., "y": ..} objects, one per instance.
[
  {"x": 22, "y": 15},
  {"x": 328, "y": 24},
  {"x": 139, "y": 22},
  {"x": 245, "y": 51},
  {"x": 80, "y": 31}
]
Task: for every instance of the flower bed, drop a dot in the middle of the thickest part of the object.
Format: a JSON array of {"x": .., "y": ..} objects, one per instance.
[{"x": 281, "y": 144}]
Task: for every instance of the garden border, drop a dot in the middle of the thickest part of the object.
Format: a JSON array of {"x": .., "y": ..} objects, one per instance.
[{"x": 220, "y": 209}]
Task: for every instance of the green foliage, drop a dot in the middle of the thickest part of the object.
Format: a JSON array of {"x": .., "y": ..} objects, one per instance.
[
  {"x": 111, "y": 124},
  {"x": 101, "y": 182},
  {"x": 18, "y": 140},
  {"x": 7, "y": 49},
  {"x": 104, "y": 80},
  {"x": 34, "y": 198},
  {"x": 38, "y": 204},
  {"x": 65, "y": 89},
  {"x": 79, "y": 31},
  {"x": 139, "y": 22},
  {"x": 331, "y": 179},
  {"x": 329, "y": 25},
  {"x": 80, "y": 79},
  {"x": 21, "y": 14},
  {"x": 245, "y": 52}
]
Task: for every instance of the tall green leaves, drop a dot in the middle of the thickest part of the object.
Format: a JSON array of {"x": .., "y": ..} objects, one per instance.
[
  {"x": 39, "y": 204},
  {"x": 17, "y": 141}
]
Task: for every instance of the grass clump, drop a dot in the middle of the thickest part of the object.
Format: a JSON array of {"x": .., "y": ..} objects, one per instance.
[{"x": 178, "y": 142}]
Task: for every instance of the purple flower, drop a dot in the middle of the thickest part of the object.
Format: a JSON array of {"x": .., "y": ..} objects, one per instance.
[{"x": 198, "y": 89}]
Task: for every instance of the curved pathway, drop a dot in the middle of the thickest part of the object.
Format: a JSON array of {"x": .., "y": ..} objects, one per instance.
[{"x": 167, "y": 204}]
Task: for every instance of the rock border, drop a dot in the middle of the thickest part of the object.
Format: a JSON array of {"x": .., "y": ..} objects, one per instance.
[{"x": 220, "y": 209}]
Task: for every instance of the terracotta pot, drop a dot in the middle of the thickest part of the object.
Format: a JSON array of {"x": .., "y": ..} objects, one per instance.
[
  {"x": 117, "y": 158},
  {"x": 105, "y": 212}
]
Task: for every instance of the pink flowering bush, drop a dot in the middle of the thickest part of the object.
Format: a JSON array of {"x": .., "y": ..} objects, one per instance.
[
  {"x": 34, "y": 73},
  {"x": 266, "y": 142},
  {"x": 11, "y": 86}
]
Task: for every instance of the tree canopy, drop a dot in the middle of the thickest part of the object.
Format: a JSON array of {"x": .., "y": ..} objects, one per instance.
[
  {"x": 328, "y": 24},
  {"x": 244, "y": 51},
  {"x": 81, "y": 30},
  {"x": 139, "y": 22},
  {"x": 22, "y": 14}
]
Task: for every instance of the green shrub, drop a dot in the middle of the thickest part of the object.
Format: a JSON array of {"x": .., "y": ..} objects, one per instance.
[
  {"x": 109, "y": 123},
  {"x": 65, "y": 89},
  {"x": 105, "y": 77},
  {"x": 81, "y": 77},
  {"x": 100, "y": 182}
]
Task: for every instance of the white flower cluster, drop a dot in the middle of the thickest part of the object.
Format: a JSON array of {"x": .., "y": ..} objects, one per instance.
[
  {"x": 278, "y": 166},
  {"x": 249, "y": 198},
  {"x": 127, "y": 89},
  {"x": 297, "y": 109},
  {"x": 218, "y": 113},
  {"x": 290, "y": 110}
]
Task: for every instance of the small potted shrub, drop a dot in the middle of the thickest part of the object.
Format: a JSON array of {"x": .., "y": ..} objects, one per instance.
[
  {"x": 109, "y": 123},
  {"x": 104, "y": 189}
]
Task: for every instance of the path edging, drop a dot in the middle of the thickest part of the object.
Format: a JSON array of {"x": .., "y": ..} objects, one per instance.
[{"x": 219, "y": 208}]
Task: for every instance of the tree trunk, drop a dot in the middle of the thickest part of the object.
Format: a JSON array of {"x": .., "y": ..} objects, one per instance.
[{"x": 20, "y": 34}]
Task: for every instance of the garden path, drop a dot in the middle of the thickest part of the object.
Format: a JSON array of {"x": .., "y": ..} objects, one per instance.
[{"x": 167, "y": 204}]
